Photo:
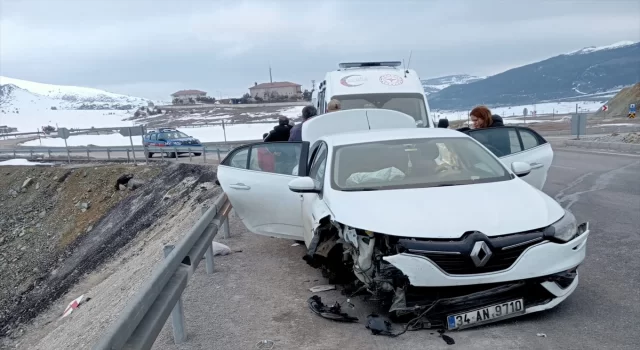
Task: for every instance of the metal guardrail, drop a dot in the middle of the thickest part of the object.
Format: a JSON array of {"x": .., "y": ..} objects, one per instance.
[
  {"x": 164, "y": 152},
  {"x": 142, "y": 319}
]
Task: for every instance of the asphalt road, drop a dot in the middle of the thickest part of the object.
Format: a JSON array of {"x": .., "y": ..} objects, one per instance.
[{"x": 261, "y": 292}]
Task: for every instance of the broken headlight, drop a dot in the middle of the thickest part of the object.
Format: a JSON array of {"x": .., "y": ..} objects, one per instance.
[{"x": 564, "y": 229}]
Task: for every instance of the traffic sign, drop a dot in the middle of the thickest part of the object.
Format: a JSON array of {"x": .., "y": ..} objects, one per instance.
[
  {"x": 632, "y": 108},
  {"x": 604, "y": 108},
  {"x": 132, "y": 131},
  {"x": 63, "y": 133}
]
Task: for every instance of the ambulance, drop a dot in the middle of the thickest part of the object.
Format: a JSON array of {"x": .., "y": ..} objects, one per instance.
[{"x": 380, "y": 85}]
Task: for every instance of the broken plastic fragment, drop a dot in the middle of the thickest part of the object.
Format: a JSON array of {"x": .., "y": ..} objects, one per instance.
[
  {"x": 541, "y": 335},
  {"x": 331, "y": 313},
  {"x": 74, "y": 304},
  {"x": 378, "y": 325},
  {"x": 322, "y": 288},
  {"x": 220, "y": 249},
  {"x": 295, "y": 244},
  {"x": 447, "y": 339}
]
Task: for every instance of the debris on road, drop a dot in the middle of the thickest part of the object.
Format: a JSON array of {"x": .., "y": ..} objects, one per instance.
[
  {"x": 333, "y": 313},
  {"x": 378, "y": 325},
  {"x": 74, "y": 304},
  {"x": 541, "y": 335},
  {"x": 295, "y": 244},
  {"x": 265, "y": 344},
  {"x": 322, "y": 288},
  {"x": 447, "y": 339},
  {"x": 220, "y": 249}
]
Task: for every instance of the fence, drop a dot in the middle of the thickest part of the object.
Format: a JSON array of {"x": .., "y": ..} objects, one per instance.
[
  {"x": 142, "y": 319},
  {"x": 115, "y": 153}
]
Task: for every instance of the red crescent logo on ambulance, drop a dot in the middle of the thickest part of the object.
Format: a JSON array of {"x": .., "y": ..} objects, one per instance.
[{"x": 353, "y": 80}]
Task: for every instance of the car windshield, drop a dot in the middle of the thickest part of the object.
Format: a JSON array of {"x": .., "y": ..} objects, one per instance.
[
  {"x": 172, "y": 135},
  {"x": 410, "y": 104},
  {"x": 414, "y": 163}
]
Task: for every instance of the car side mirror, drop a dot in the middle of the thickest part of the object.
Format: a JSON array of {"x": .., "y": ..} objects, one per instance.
[
  {"x": 521, "y": 168},
  {"x": 303, "y": 184}
]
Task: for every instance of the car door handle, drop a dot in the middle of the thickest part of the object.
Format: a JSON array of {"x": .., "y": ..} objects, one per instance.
[
  {"x": 536, "y": 165},
  {"x": 240, "y": 186}
]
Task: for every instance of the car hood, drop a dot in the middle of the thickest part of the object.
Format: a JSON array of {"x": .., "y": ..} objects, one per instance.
[{"x": 494, "y": 209}]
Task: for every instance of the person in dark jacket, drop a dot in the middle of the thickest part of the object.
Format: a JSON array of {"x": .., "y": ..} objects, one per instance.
[
  {"x": 443, "y": 123},
  {"x": 481, "y": 118},
  {"x": 280, "y": 132},
  {"x": 307, "y": 113}
]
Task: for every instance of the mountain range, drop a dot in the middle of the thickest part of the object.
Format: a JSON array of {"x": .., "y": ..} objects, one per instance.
[
  {"x": 436, "y": 84},
  {"x": 588, "y": 73},
  {"x": 16, "y": 94}
]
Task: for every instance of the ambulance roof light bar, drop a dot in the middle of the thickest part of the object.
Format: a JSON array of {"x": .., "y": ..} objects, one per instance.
[{"x": 347, "y": 65}]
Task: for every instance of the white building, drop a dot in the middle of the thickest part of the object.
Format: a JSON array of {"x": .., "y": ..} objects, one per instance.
[
  {"x": 284, "y": 88},
  {"x": 185, "y": 95}
]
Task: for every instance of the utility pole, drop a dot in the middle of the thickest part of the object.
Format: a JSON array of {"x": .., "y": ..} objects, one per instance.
[{"x": 270, "y": 76}]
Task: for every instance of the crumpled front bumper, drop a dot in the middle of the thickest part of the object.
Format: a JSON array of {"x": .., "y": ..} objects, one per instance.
[{"x": 539, "y": 260}]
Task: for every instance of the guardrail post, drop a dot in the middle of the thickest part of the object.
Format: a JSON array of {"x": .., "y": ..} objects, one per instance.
[
  {"x": 88, "y": 157},
  {"x": 219, "y": 159},
  {"x": 175, "y": 149},
  {"x": 49, "y": 151},
  {"x": 128, "y": 158},
  {"x": 162, "y": 156},
  {"x": 208, "y": 255},
  {"x": 108, "y": 154},
  {"x": 189, "y": 149},
  {"x": 31, "y": 154},
  {"x": 14, "y": 153},
  {"x": 177, "y": 314},
  {"x": 225, "y": 227},
  {"x": 204, "y": 154}
]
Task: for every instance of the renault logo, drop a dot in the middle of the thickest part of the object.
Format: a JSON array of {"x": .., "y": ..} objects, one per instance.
[{"x": 480, "y": 253}]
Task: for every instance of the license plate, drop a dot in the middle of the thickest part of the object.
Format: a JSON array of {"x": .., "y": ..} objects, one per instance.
[{"x": 485, "y": 314}]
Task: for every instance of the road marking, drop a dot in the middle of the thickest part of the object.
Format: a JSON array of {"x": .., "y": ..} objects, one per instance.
[
  {"x": 598, "y": 152},
  {"x": 601, "y": 182},
  {"x": 562, "y": 167}
]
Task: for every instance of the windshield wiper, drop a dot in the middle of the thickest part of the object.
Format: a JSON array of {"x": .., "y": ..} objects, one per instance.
[{"x": 361, "y": 189}]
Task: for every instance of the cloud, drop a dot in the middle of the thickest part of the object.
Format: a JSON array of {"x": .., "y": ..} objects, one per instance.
[{"x": 227, "y": 45}]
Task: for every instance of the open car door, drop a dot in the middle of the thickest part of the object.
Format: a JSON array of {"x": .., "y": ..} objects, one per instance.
[
  {"x": 518, "y": 144},
  {"x": 256, "y": 179}
]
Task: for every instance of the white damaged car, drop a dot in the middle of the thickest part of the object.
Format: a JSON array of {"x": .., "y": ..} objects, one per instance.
[{"x": 433, "y": 222}]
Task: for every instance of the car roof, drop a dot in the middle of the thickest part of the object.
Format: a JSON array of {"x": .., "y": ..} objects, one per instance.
[{"x": 365, "y": 136}]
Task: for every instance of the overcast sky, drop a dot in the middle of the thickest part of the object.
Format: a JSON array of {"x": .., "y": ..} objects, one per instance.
[{"x": 152, "y": 48}]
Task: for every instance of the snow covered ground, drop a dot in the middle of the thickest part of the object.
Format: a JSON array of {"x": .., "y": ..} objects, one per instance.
[
  {"x": 540, "y": 108},
  {"x": 235, "y": 132},
  {"x": 21, "y": 162},
  {"x": 29, "y": 119}
]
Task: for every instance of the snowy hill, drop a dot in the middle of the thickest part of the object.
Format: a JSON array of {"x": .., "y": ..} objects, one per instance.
[
  {"x": 28, "y": 94},
  {"x": 600, "y": 48},
  {"x": 591, "y": 73},
  {"x": 436, "y": 84}
]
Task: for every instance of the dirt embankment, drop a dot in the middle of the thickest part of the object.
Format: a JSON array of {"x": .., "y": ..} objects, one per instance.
[
  {"x": 57, "y": 224},
  {"x": 618, "y": 106}
]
